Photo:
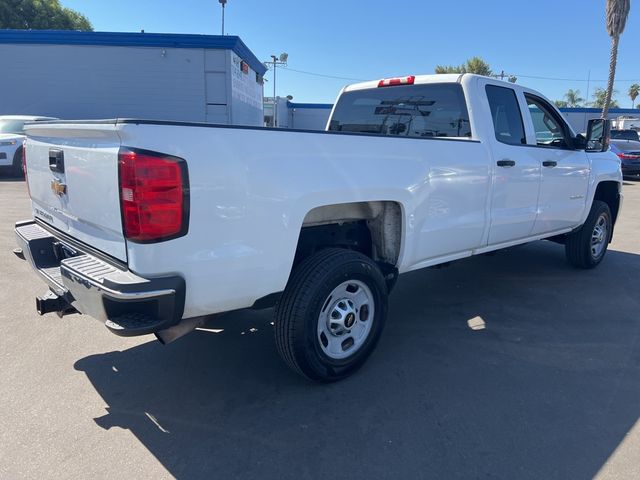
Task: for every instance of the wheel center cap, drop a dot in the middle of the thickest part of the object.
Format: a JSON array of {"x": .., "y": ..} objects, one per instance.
[{"x": 349, "y": 320}]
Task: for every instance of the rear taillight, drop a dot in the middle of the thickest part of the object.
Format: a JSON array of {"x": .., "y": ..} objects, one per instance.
[
  {"x": 389, "y": 82},
  {"x": 154, "y": 195},
  {"x": 628, "y": 156},
  {"x": 24, "y": 166}
]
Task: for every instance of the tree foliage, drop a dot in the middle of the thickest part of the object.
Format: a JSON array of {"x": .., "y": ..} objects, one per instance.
[
  {"x": 634, "y": 91},
  {"x": 571, "y": 99},
  {"x": 600, "y": 96},
  {"x": 41, "y": 15},
  {"x": 472, "y": 65}
]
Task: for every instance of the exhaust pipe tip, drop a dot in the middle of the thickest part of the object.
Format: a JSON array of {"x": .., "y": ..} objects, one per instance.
[{"x": 179, "y": 330}]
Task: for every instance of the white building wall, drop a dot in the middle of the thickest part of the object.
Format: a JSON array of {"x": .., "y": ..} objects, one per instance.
[
  {"x": 310, "y": 117},
  {"x": 78, "y": 81},
  {"x": 579, "y": 117},
  {"x": 95, "y": 81},
  {"x": 245, "y": 97}
]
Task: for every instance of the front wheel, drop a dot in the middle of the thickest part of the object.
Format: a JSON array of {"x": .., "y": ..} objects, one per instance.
[
  {"x": 331, "y": 314},
  {"x": 585, "y": 248}
]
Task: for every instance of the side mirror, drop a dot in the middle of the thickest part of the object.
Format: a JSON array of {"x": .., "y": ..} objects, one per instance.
[{"x": 598, "y": 135}]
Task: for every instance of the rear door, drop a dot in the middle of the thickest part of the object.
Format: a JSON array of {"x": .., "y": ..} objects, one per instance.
[
  {"x": 72, "y": 171},
  {"x": 565, "y": 171},
  {"x": 516, "y": 169}
]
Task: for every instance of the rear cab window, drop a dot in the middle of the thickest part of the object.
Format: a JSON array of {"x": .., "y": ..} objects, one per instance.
[{"x": 419, "y": 111}]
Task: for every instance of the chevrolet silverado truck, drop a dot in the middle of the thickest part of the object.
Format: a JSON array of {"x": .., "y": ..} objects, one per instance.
[{"x": 151, "y": 226}]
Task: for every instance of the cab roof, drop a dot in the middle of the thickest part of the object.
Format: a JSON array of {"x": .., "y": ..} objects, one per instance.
[{"x": 423, "y": 79}]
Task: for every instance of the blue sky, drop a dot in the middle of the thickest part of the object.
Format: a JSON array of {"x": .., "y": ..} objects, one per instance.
[{"x": 370, "y": 39}]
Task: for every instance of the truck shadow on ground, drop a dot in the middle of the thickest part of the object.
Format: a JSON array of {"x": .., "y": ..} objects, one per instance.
[{"x": 547, "y": 389}]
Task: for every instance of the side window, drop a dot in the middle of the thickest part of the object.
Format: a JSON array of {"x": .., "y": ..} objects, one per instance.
[
  {"x": 550, "y": 130},
  {"x": 506, "y": 115}
]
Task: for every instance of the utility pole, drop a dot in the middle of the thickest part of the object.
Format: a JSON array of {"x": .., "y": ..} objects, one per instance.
[
  {"x": 275, "y": 61},
  {"x": 223, "y": 3}
]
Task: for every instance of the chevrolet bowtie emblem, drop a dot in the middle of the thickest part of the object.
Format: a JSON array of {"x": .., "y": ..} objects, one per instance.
[{"x": 58, "y": 187}]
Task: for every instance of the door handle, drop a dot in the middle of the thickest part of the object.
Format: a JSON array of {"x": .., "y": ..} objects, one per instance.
[
  {"x": 549, "y": 163},
  {"x": 506, "y": 163}
]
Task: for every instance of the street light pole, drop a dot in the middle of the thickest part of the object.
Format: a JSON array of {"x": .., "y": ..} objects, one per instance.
[
  {"x": 223, "y": 3},
  {"x": 275, "y": 61},
  {"x": 275, "y": 64}
]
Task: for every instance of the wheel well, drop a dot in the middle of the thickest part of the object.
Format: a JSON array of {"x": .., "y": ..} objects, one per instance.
[
  {"x": 372, "y": 228},
  {"x": 609, "y": 192}
]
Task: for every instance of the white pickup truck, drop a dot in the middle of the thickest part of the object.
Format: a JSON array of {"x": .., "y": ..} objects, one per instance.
[{"x": 150, "y": 226}]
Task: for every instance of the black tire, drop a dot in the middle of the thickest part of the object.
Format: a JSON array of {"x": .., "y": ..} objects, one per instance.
[
  {"x": 307, "y": 296},
  {"x": 578, "y": 246},
  {"x": 16, "y": 166}
]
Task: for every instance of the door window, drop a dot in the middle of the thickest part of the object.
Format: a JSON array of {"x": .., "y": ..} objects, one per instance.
[
  {"x": 550, "y": 130},
  {"x": 506, "y": 115}
]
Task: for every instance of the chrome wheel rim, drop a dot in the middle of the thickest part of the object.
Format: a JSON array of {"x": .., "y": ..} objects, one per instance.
[
  {"x": 344, "y": 324},
  {"x": 599, "y": 236}
]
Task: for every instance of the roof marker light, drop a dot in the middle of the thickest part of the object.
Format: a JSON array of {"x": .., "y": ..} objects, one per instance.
[{"x": 389, "y": 82}]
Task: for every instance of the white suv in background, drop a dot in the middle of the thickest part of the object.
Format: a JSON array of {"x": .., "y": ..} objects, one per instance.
[{"x": 11, "y": 138}]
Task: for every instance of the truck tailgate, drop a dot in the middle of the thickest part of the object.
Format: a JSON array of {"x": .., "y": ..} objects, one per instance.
[{"x": 72, "y": 173}]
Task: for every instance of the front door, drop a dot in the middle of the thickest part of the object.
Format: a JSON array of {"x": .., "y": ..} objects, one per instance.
[{"x": 565, "y": 171}]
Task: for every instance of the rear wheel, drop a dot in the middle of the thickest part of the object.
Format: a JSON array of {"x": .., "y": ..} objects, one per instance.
[
  {"x": 331, "y": 314},
  {"x": 586, "y": 247}
]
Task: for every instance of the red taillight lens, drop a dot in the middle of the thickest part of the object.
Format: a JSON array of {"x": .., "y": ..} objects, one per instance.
[
  {"x": 153, "y": 195},
  {"x": 389, "y": 82},
  {"x": 24, "y": 166},
  {"x": 628, "y": 156}
]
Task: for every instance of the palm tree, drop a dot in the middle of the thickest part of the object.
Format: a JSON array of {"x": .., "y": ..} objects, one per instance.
[
  {"x": 617, "y": 12},
  {"x": 634, "y": 91},
  {"x": 573, "y": 98}
]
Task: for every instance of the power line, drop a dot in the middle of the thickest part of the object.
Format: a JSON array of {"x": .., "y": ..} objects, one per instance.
[
  {"x": 571, "y": 79},
  {"x": 323, "y": 75},
  {"x": 535, "y": 77}
]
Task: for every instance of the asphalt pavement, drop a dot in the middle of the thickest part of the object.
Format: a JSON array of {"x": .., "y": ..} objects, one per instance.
[{"x": 548, "y": 389}]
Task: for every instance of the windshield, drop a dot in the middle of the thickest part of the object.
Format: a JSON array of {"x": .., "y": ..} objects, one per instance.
[
  {"x": 11, "y": 126},
  {"x": 437, "y": 110}
]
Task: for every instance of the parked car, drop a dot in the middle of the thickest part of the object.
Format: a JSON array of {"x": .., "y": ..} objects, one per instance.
[
  {"x": 11, "y": 138},
  {"x": 149, "y": 226},
  {"x": 625, "y": 135},
  {"x": 629, "y": 154}
]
